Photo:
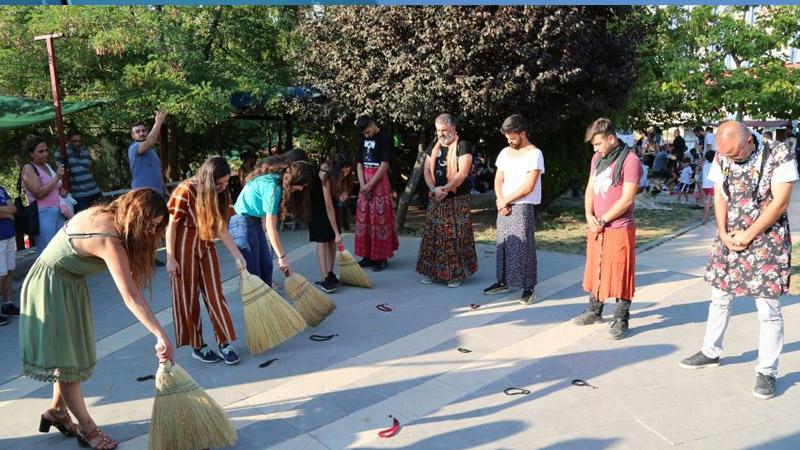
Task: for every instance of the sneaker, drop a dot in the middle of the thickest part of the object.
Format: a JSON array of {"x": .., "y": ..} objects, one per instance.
[
  {"x": 9, "y": 309},
  {"x": 454, "y": 284},
  {"x": 366, "y": 262},
  {"x": 334, "y": 279},
  {"x": 765, "y": 387},
  {"x": 3, "y": 320},
  {"x": 497, "y": 288},
  {"x": 426, "y": 280},
  {"x": 327, "y": 286},
  {"x": 528, "y": 297},
  {"x": 205, "y": 355},
  {"x": 380, "y": 265},
  {"x": 698, "y": 361},
  {"x": 228, "y": 354}
]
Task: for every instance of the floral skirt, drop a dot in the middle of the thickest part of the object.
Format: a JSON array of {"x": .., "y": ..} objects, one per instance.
[
  {"x": 516, "y": 247},
  {"x": 447, "y": 250},
  {"x": 376, "y": 235}
]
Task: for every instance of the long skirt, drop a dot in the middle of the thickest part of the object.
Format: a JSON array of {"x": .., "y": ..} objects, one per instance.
[
  {"x": 447, "y": 250},
  {"x": 610, "y": 263},
  {"x": 376, "y": 235},
  {"x": 516, "y": 247}
]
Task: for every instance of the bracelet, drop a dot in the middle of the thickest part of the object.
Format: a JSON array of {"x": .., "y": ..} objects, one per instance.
[{"x": 281, "y": 257}]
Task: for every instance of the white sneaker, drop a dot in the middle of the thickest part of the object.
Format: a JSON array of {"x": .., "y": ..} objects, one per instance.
[
  {"x": 454, "y": 284},
  {"x": 426, "y": 280}
]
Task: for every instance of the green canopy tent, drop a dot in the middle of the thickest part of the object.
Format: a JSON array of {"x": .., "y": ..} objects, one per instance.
[{"x": 16, "y": 112}]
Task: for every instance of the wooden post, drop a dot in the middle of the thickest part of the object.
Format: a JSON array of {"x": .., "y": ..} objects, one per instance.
[
  {"x": 62, "y": 143},
  {"x": 411, "y": 185}
]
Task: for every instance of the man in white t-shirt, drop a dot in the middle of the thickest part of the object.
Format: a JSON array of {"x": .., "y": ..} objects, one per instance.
[
  {"x": 518, "y": 187},
  {"x": 710, "y": 141},
  {"x": 752, "y": 252}
]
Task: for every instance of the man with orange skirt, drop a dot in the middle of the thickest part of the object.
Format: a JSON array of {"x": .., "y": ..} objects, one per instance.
[{"x": 611, "y": 239}]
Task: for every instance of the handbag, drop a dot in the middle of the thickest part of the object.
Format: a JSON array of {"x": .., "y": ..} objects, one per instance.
[{"x": 26, "y": 219}]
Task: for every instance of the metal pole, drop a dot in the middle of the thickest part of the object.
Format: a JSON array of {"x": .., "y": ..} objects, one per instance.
[{"x": 62, "y": 144}]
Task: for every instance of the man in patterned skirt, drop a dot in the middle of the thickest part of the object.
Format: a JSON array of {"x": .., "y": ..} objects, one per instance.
[{"x": 751, "y": 255}]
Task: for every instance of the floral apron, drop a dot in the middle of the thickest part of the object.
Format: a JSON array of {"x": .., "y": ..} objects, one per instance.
[{"x": 762, "y": 269}]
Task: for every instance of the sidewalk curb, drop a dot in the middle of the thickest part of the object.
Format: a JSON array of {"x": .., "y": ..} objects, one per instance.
[{"x": 665, "y": 239}]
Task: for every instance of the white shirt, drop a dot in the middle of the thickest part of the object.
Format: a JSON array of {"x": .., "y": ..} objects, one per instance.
[
  {"x": 516, "y": 169},
  {"x": 707, "y": 183},
  {"x": 711, "y": 140},
  {"x": 785, "y": 173},
  {"x": 686, "y": 175}
]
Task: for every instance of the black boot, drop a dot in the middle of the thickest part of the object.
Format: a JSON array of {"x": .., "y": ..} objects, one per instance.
[
  {"x": 619, "y": 328},
  {"x": 592, "y": 314}
]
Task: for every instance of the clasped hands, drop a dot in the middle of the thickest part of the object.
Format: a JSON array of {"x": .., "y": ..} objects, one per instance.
[{"x": 737, "y": 240}]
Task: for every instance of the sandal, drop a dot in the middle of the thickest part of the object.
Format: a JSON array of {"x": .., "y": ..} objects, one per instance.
[
  {"x": 96, "y": 440},
  {"x": 59, "y": 419}
]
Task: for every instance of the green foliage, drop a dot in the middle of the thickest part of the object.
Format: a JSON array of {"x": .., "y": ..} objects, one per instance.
[
  {"x": 186, "y": 60},
  {"x": 683, "y": 76},
  {"x": 559, "y": 66}
]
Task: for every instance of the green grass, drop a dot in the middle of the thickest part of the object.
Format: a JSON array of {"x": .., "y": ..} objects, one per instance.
[{"x": 562, "y": 226}]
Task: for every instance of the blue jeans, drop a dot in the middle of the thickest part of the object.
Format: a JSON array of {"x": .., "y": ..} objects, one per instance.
[
  {"x": 259, "y": 256},
  {"x": 50, "y": 221}
]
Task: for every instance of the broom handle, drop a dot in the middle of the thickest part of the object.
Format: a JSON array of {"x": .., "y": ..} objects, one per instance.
[{"x": 160, "y": 348}]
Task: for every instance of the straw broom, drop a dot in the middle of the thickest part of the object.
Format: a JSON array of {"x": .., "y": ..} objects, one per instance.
[
  {"x": 349, "y": 270},
  {"x": 268, "y": 318},
  {"x": 313, "y": 304},
  {"x": 184, "y": 416}
]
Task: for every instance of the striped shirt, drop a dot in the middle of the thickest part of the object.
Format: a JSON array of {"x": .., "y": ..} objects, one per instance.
[{"x": 81, "y": 180}]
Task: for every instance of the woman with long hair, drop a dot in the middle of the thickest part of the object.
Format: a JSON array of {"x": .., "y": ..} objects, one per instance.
[
  {"x": 333, "y": 182},
  {"x": 57, "y": 341},
  {"x": 41, "y": 185},
  {"x": 198, "y": 213},
  {"x": 275, "y": 189}
]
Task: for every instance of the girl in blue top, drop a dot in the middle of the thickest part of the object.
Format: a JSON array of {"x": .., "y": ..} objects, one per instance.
[{"x": 276, "y": 188}]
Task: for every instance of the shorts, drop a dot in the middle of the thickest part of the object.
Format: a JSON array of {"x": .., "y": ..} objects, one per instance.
[
  {"x": 8, "y": 255},
  {"x": 684, "y": 188},
  {"x": 708, "y": 191}
]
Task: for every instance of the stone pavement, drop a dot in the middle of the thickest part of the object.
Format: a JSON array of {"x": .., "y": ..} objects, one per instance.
[{"x": 337, "y": 394}]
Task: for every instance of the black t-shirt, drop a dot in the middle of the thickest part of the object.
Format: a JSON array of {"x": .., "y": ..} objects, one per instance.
[
  {"x": 375, "y": 150},
  {"x": 440, "y": 173}
]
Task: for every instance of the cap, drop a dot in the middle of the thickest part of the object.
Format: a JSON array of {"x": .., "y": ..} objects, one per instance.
[{"x": 362, "y": 122}]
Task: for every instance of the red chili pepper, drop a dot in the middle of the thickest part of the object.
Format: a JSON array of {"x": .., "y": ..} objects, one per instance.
[{"x": 391, "y": 431}]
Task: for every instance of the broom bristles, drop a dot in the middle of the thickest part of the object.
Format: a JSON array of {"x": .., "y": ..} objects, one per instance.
[
  {"x": 350, "y": 272},
  {"x": 184, "y": 416},
  {"x": 311, "y": 303},
  {"x": 269, "y": 320}
]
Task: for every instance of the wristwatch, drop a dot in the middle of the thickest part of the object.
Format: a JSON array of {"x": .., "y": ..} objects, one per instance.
[{"x": 601, "y": 222}]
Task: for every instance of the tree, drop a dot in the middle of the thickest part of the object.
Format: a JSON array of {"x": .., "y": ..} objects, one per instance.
[
  {"x": 701, "y": 63},
  {"x": 559, "y": 66},
  {"x": 187, "y": 61}
]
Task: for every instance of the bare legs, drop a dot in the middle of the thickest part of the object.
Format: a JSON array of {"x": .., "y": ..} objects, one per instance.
[
  {"x": 70, "y": 396},
  {"x": 326, "y": 257}
]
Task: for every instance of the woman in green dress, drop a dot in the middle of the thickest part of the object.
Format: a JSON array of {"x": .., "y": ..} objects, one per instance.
[{"x": 57, "y": 339}]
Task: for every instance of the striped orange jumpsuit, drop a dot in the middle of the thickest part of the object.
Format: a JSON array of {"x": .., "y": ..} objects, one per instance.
[{"x": 199, "y": 273}]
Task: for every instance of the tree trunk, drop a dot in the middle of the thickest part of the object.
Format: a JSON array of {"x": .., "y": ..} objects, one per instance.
[
  {"x": 172, "y": 155},
  {"x": 413, "y": 181},
  {"x": 289, "y": 132}
]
